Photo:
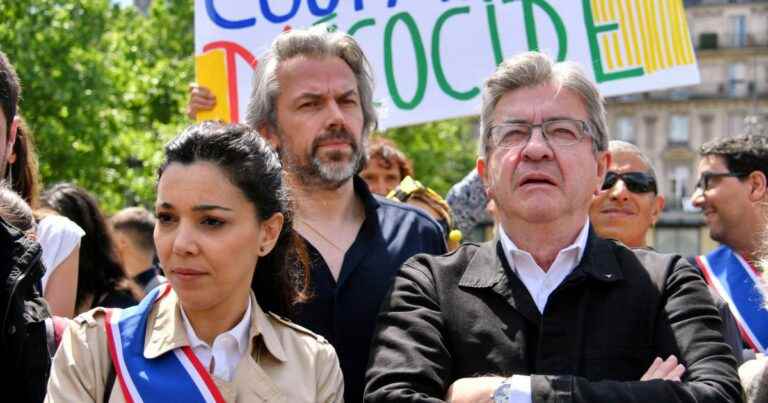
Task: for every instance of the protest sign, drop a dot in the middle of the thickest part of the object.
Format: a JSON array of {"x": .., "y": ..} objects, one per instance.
[{"x": 430, "y": 57}]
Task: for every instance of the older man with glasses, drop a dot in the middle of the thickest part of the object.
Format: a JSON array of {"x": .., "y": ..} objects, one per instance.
[
  {"x": 733, "y": 196},
  {"x": 548, "y": 311}
]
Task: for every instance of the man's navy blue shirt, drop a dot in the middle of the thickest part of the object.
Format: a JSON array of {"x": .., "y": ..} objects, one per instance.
[{"x": 345, "y": 311}]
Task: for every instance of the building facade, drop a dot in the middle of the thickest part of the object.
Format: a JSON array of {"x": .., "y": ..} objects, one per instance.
[{"x": 731, "y": 42}]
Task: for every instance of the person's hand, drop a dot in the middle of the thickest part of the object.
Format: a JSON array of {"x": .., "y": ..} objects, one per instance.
[
  {"x": 668, "y": 370},
  {"x": 200, "y": 99},
  {"x": 470, "y": 390}
]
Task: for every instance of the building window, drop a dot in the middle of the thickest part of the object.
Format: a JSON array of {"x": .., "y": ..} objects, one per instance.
[
  {"x": 650, "y": 132},
  {"x": 625, "y": 129},
  {"x": 706, "y": 128},
  {"x": 678, "y": 129},
  {"x": 679, "y": 176},
  {"x": 737, "y": 25},
  {"x": 737, "y": 83}
]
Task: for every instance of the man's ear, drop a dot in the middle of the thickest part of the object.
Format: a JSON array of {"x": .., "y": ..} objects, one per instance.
[
  {"x": 483, "y": 170},
  {"x": 270, "y": 134},
  {"x": 757, "y": 183},
  {"x": 603, "y": 162},
  {"x": 10, "y": 156},
  {"x": 658, "y": 207}
]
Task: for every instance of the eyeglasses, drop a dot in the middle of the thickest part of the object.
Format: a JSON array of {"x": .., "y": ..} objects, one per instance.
[
  {"x": 706, "y": 178},
  {"x": 636, "y": 182},
  {"x": 561, "y": 132}
]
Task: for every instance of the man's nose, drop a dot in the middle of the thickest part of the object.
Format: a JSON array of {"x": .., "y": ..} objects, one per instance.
[
  {"x": 335, "y": 115},
  {"x": 697, "y": 198},
  {"x": 619, "y": 191},
  {"x": 537, "y": 147}
]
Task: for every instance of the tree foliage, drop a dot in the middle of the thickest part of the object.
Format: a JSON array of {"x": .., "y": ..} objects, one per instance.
[
  {"x": 103, "y": 88},
  {"x": 442, "y": 152}
]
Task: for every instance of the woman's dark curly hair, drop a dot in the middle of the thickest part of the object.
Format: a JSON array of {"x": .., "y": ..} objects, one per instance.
[
  {"x": 282, "y": 277},
  {"x": 100, "y": 270}
]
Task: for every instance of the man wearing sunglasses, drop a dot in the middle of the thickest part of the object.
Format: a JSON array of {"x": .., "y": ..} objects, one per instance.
[
  {"x": 547, "y": 311},
  {"x": 733, "y": 196},
  {"x": 629, "y": 203}
]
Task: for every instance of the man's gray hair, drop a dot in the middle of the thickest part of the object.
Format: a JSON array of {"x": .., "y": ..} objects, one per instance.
[
  {"x": 618, "y": 146},
  {"x": 315, "y": 42},
  {"x": 532, "y": 69}
]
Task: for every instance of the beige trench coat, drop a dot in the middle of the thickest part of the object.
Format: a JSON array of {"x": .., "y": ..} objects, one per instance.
[{"x": 287, "y": 362}]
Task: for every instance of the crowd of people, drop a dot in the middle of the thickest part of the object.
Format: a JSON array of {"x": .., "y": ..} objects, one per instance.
[{"x": 296, "y": 258}]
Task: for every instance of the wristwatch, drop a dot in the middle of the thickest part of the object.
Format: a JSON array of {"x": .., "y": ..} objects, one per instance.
[{"x": 503, "y": 394}]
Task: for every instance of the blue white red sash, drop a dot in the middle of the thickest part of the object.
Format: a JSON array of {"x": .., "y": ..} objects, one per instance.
[
  {"x": 736, "y": 281},
  {"x": 176, "y": 376}
]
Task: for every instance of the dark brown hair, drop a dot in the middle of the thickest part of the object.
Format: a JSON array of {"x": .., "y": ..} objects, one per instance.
[
  {"x": 24, "y": 171},
  {"x": 742, "y": 154},
  {"x": 138, "y": 224},
  {"x": 99, "y": 270},
  {"x": 10, "y": 90},
  {"x": 387, "y": 152}
]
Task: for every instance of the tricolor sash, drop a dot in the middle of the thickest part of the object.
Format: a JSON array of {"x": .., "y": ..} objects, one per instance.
[
  {"x": 737, "y": 282},
  {"x": 176, "y": 376}
]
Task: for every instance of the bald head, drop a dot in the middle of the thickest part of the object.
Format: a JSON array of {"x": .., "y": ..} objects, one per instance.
[{"x": 623, "y": 147}]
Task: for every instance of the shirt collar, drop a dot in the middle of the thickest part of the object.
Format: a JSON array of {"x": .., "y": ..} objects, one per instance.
[
  {"x": 370, "y": 204},
  {"x": 239, "y": 332},
  {"x": 579, "y": 244},
  {"x": 168, "y": 329}
]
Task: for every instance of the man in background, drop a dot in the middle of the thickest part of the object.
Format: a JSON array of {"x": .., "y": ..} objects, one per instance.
[
  {"x": 629, "y": 204},
  {"x": 132, "y": 229},
  {"x": 386, "y": 167},
  {"x": 733, "y": 196}
]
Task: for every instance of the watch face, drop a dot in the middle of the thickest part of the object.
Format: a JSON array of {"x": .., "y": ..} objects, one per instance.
[{"x": 502, "y": 393}]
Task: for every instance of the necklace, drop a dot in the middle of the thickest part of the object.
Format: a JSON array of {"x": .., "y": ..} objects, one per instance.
[{"x": 320, "y": 234}]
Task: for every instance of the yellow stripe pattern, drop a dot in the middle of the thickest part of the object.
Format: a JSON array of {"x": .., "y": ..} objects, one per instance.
[{"x": 652, "y": 34}]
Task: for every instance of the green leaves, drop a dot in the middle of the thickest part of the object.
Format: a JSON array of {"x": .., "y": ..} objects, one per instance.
[
  {"x": 442, "y": 152},
  {"x": 104, "y": 88}
]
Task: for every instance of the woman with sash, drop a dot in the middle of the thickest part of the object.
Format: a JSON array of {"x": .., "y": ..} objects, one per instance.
[{"x": 224, "y": 224}]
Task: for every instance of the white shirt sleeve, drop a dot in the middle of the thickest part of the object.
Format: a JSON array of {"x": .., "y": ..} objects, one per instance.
[{"x": 58, "y": 237}]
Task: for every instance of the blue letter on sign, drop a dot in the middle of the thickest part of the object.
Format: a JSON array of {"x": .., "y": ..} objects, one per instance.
[
  {"x": 224, "y": 23},
  {"x": 319, "y": 11},
  {"x": 268, "y": 14}
]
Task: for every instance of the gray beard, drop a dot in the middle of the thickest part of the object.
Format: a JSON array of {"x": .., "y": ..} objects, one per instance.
[
  {"x": 330, "y": 174},
  {"x": 326, "y": 174}
]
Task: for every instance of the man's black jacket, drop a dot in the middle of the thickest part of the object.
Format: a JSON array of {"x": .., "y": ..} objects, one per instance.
[{"x": 466, "y": 314}]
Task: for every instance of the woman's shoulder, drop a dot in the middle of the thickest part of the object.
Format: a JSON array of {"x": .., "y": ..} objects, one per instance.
[
  {"x": 291, "y": 329},
  {"x": 57, "y": 225},
  {"x": 90, "y": 321},
  {"x": 296, "y": 338}
]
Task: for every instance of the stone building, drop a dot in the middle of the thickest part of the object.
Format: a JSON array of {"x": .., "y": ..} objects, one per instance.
[{"x": 731, "y": 42}]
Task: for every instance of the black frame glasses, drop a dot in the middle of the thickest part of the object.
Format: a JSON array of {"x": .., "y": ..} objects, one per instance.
[
  {"x": 636, "y": 182},
  {"x": 559, "y": 132},
  {"x": 706, "y": 178}
]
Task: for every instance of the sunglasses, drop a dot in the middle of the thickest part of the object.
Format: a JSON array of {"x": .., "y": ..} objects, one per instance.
[{"x": 636, "y": 182}]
